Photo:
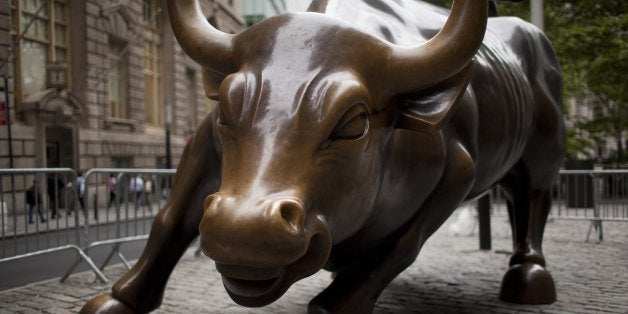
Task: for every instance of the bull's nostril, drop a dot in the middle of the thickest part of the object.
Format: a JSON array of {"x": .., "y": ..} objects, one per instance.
[{"x": 292, "y": 215}]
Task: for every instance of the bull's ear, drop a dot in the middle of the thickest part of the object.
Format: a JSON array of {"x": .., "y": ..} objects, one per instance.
[
  {"x": 428, "y": 110},
  {"x": 211, "y": 83}
]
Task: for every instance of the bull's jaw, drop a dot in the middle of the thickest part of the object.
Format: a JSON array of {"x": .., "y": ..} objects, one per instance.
[{"x": 255, "y": 287}]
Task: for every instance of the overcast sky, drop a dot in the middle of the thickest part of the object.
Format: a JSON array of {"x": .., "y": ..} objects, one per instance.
[{"x": 297, "y": 5}]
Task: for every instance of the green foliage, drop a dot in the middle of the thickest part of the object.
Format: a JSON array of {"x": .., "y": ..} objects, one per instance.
[
  {"x": 591, "y": 41},
  {"x": 578, "y": 144}
]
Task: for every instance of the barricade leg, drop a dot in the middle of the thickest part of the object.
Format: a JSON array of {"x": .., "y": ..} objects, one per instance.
[
  {"x": 114, "y": 249},
  {"x": 81, "y": 256}
]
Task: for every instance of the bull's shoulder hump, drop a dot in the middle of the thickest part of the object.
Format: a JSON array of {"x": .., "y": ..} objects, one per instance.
[
  {"x": 523, "y": 40},
  {"x": 514, "y": 32}
]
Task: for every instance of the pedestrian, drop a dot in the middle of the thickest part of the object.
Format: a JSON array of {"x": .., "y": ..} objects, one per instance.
[
  {"x": 149, "y": 189},
  {"x": 70, "y": 196},
  {"x": 136, "y": 189},
  {"x": 54, "y": 187},
  {"x": 111, "y": 186},
  {"x": 80, "y": 190},
  {"x": 33, "y": 199}
]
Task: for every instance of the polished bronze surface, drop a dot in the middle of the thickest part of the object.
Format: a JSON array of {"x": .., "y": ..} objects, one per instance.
[{"x": 344, "y": 137}]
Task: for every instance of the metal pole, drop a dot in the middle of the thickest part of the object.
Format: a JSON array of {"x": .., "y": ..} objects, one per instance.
[
  {"x": 168, "y": 143},
  {"x": 168, "y": 149},
  {"x": 168, "y": 114},
  {"x": 536, "y": 11},
  {"x": 8, "y": 113},
  {"x": 10, "y": 140},
  {"x": 484, "y": 218}
]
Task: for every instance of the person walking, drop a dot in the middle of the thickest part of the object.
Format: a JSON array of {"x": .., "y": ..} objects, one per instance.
[
  {"x": 54, "y": 186},
  {"x": 33, "y": 199},
  {"x": 136, "y": 189},
  {"x": 70, "y": 196},
  {"x": 80, "y": 189},
  {"x": 111, "y": 186},
  {"x": 149, "y": 190}
]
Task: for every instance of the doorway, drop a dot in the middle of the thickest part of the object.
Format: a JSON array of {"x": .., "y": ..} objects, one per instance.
[{"x": 59, "y": 147}]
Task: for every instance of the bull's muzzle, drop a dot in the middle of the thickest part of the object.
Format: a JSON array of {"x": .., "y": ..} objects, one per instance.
[
  {"x": 263, "y": 246},
  {"x": 261, "y": 233}
]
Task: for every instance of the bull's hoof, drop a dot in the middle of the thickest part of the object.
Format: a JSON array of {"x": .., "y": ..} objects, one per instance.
[
  {"x": 528, "y": 283},
  {"x": 106, "y": 303}
]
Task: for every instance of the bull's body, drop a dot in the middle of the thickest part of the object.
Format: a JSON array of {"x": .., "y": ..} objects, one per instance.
[{"x": 325, "y": 164}]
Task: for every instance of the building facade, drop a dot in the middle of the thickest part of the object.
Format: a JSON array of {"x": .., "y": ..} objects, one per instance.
[{"x": 99, "y": 83}]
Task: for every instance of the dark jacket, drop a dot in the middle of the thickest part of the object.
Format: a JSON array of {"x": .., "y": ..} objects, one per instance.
[{"x": 32, "y": 198}]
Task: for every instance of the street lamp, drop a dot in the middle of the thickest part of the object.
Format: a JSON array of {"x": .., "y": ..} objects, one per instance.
[
  {"x": 168, "y": 109},
  {"x": 536, "y": 12}
]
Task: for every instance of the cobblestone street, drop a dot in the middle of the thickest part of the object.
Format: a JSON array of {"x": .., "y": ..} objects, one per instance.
[{"x": 450, "y": 276}]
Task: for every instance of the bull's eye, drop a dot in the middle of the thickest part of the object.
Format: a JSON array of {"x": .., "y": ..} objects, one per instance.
[{"x": 353, "y": 125}]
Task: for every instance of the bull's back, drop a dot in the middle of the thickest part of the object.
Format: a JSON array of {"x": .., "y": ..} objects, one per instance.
[{"x": 512, "y": 83}]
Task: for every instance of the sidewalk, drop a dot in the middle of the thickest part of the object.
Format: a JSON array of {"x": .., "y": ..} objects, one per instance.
[{"x": 450, "y": 276}]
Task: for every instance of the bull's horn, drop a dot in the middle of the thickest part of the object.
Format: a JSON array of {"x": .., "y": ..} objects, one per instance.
[
  {"x": 205, "y": 44},
  {"x": 446, "y": 53}
]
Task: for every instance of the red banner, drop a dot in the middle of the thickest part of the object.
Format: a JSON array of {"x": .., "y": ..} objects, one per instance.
[{"x": 3, "y": 113}]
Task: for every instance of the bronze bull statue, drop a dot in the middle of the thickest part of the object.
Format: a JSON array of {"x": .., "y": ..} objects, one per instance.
[{"x": 344, "y": 137}]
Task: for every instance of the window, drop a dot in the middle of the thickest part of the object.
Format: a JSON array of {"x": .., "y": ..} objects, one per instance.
[
  {"x": 153, "y": 91},
  {"x": 45, "y": 26},
  {"x": 190, "y": 97},
  {"x": 117, "y": 79}
]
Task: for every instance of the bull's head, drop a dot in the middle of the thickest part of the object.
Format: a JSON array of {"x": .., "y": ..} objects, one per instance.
[{"x": 307, "y": 107}]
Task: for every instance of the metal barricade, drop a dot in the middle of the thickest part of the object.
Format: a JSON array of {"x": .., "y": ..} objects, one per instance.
[
  {"x": 586, "y": 195},
  {"x": 36, "y": 218},
  {"x": 120, "y": 205},
  {"x": 593, "y": 195}
]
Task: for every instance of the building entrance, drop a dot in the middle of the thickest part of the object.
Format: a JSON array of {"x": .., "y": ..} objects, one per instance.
[{"x": 59, "y": 147}]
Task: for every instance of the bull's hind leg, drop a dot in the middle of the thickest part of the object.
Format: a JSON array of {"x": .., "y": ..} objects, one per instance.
[{"x": 527, "y": 280}]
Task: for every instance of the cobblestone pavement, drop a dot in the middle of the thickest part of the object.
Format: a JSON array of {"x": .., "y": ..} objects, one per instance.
[{"x": 450, "y": 276}]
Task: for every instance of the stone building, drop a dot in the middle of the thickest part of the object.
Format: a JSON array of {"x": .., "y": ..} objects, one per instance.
[{"x": 99, "y": 83}]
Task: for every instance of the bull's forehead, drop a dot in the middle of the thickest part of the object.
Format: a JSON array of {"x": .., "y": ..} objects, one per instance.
[
  {"x": 304, "y": 40},
  {"x": 291, "y": 76}
]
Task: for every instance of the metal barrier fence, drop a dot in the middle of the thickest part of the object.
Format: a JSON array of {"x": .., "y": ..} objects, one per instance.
[
  {"x": 48, "y": 210},
  {"x": 588, "y": 195},
  {"x": 120, "y": 205},
  {"x": 31, "y": 202}
]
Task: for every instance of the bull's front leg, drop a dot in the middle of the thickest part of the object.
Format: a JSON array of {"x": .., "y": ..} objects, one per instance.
[
  {"x": 174, "y": 228},
  {"x": 356, "y": 289}
]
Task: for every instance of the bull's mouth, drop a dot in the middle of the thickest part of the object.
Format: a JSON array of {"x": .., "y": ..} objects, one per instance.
[
  {"x": 250, "y": 288},
  {"x": 255, "y": 287}
]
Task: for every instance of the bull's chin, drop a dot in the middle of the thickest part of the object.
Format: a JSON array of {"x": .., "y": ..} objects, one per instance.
[{"x": 261, "y": 290}]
